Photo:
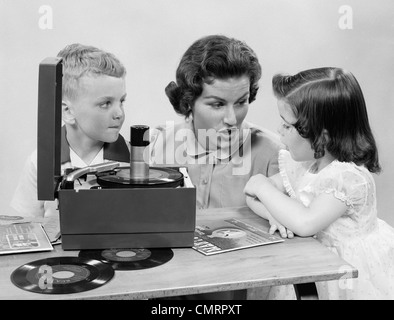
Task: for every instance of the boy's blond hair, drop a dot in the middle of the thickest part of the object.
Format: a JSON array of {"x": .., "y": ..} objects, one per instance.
[{"x": 81, "y": 60}]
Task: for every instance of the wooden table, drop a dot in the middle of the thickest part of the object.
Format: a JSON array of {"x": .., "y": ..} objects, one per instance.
[{"x": 295, "y": 261}]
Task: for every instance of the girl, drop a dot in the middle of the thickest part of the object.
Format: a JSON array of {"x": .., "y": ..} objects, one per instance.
[{"x": 325, "y": 187}]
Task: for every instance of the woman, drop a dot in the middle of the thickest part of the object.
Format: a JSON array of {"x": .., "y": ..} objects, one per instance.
[{"x": 216, "y": 80}]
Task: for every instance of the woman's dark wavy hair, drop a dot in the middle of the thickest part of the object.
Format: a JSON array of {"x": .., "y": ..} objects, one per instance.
[
  {"x": 209, "y": 58},
  {"x": 330, "y": 99}
]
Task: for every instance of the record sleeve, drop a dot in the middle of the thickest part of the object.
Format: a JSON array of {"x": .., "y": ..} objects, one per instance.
[
  {"x": 23, "y": 237},
  {"x": 213, "y": 237}
]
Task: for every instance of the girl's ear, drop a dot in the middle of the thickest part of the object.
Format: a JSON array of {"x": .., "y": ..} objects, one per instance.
[
  {"x": 320, "y": 145},
  {"x": 67, "y": 113},
  {"x": 326, "y": 135}
]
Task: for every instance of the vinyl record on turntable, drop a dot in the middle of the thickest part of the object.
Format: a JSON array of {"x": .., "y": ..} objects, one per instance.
[
  {"x": 62, "y": 275},
  {"x": 139, "y": 174},
  {"x": 130, "y": 259},
  {"x": 157, "y": 178}
]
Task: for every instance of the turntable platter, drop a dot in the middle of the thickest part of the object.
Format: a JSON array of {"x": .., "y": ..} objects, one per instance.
[{"x": 157, "y": 178}]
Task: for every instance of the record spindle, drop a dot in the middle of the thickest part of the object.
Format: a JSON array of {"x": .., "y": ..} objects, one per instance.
[{"x": 139, "y": 140}]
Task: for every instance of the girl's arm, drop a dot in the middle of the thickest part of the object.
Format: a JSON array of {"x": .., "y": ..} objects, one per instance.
[
  {"x": 257, "y": 207},
  {"x": 303, "y": 221},
  {"x": 277, "y": 181}
]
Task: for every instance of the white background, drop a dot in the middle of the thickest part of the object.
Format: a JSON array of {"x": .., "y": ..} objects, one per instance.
[{"x": 150, "y": 36}]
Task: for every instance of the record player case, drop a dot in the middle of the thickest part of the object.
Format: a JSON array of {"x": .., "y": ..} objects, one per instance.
[{"x": 105, "y": 218}]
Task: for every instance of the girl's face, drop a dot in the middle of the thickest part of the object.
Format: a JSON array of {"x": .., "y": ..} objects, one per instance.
[
  {"x": 222, "y": 105},
  {"x": 299, "y": 147}
]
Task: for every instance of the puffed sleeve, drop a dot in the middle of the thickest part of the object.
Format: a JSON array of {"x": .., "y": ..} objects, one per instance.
[{"x": 346, "y": 182}]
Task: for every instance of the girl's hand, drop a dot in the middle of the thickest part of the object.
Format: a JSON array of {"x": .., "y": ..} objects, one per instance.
[
  {"x": 275, "y": 225},
  {"x": 255, "y": 183}
]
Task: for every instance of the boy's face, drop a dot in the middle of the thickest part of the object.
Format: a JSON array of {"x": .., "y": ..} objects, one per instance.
[{"x": 98, "y": 108}]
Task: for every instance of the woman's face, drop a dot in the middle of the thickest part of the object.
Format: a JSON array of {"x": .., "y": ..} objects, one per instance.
[
  {"x": 299, "y": 147},
  {"x": 222, "y": 106}
]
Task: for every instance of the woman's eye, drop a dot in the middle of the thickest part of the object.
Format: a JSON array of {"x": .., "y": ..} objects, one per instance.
[
  {"x": 216, "y": 105},
  {"x": 242, "y": 103}
]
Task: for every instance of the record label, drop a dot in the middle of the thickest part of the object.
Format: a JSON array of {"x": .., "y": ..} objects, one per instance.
[
  {"x": 130, "y": 259},
  {"x": 125, "y": 255},
  {"x": 61, "y": 275}
]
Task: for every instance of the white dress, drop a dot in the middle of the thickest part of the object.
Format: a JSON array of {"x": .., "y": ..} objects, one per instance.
[{"x": 358, "y": 236}]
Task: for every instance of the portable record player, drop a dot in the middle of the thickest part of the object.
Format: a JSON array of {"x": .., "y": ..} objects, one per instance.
[{"x": 131, "y": 207}]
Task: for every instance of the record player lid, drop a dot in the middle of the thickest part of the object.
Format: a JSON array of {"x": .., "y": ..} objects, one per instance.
[{"x": 49, "y": 127}]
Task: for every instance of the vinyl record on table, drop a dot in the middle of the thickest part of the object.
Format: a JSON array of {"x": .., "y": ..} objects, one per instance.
[
  {"x": 158, "y": 178},
  {"x": 62, "y": 275},
  {"x": 130, "y": 259}
]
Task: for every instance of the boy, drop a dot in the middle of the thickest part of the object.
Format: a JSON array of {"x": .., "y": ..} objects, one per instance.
[{"x": 93, "y": 94}]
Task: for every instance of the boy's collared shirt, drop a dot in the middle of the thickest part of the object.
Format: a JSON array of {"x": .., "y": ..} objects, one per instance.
[
  {"x": 77, "y": 162},
  {"x": 116, "y": 151},
  {"x": 25, "y": 200}
]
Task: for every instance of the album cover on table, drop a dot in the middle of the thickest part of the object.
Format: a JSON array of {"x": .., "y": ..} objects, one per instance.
[
  {"x": 213, "y": 237},
  {"x": 23, "y": 237}
]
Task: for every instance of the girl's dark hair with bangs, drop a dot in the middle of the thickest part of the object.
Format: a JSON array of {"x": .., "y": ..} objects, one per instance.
[
  {"x": 330, "y": 99},
  {"x": 211, "y": 57}
]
